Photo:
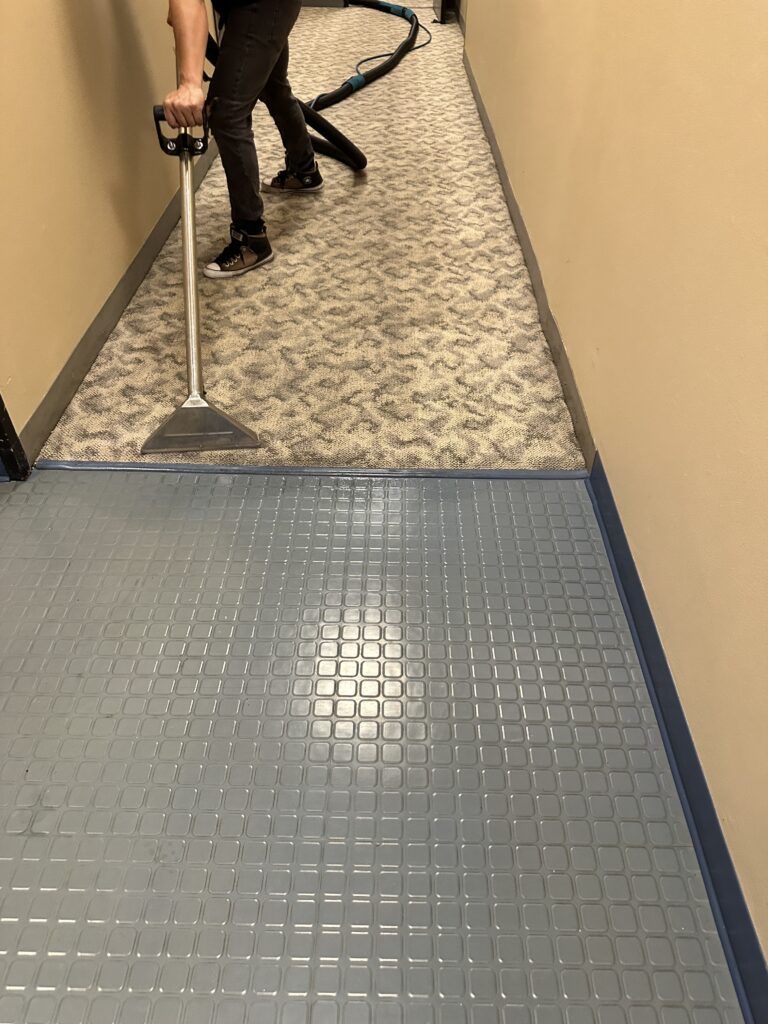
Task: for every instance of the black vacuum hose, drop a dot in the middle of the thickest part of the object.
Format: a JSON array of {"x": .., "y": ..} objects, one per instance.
[
  {"x": 330, "y": 141},
  {"x": 352, "y": 85},
  {"x": 333, "y": 143}
]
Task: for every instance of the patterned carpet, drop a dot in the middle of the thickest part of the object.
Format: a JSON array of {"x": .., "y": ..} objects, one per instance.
[{"x": 396, "y": 327}]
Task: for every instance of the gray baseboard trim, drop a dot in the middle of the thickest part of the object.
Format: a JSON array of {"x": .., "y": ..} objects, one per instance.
[
  {"x": 548, "y": 322},
  {"x": 62, "y": 391}
]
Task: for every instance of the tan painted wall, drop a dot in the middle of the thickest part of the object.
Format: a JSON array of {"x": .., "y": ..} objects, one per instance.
[
  {"x": 84, "y": 181},
  {"x": 635, "y": 136}
]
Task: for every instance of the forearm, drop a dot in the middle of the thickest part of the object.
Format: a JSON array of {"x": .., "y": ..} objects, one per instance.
[{"x": 189, "y": 20}]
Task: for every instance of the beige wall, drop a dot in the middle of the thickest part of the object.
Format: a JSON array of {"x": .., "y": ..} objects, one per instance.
[
  {"x": 635, "y": 136},
  {"x": 84, "y": 181}
]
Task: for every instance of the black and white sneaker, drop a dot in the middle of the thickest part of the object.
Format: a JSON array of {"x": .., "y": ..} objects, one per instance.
[
  {"x": 295, "y": 182},
  {"x": 245, "y": 252}
]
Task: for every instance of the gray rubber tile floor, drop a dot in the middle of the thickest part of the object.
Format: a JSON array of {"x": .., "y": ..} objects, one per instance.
[{"x": 305, "y": 750}]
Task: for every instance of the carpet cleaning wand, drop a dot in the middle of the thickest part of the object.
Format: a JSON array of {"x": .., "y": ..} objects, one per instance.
[{"x": 196, "y": 426}]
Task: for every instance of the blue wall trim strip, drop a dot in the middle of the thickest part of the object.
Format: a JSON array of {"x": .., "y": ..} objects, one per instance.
[{"x": 737, "y": 932}]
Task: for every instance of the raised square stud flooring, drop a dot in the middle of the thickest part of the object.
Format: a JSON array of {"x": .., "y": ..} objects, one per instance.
[{"x": 302, "y": 750}]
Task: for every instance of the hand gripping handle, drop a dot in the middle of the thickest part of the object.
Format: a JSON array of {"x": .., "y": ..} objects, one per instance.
[{"x": 184, "y": 142}]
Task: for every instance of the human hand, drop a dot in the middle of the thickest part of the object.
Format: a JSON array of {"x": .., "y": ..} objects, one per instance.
[{"x": 184, "y": 106}]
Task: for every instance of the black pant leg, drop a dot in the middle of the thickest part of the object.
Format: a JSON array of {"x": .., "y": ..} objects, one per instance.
[
  {"x": 284, "y": 108},
  {"x": 254, "y": 39}
]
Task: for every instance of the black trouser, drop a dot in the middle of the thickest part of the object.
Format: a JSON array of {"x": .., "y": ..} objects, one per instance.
[{"x": 252, "y": 66}]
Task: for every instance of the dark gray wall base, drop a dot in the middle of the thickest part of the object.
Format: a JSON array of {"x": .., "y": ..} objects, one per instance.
[
  {"x": 62, "y": 391},
  {"x": 548, "y": 323},
  {"x": 734, "y": 923}
]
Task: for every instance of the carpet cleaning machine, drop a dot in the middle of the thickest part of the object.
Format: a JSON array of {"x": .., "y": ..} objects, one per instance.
[{"x": 197, "y": 425}]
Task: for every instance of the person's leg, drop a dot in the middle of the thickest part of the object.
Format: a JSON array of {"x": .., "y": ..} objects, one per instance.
[
  {"x": 285, "y": 111},
  {"x": 253, "y": 41}
]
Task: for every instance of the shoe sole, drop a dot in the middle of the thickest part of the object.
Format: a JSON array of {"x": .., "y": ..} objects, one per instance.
[
  {"x": 313, "y": 190},
  {"x": 216, "y": 275}
]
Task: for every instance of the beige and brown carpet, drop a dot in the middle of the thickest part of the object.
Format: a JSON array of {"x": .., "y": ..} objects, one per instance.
[{"x": 395, "y": 329}]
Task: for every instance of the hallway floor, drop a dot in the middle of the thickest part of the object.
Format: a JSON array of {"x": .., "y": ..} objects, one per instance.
[
  {"x": 397, "y": 326},
  {"x": 330, "y": 750}
]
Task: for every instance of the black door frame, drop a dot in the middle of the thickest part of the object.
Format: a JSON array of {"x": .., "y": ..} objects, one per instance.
[{"x": 12, "y": 455}]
